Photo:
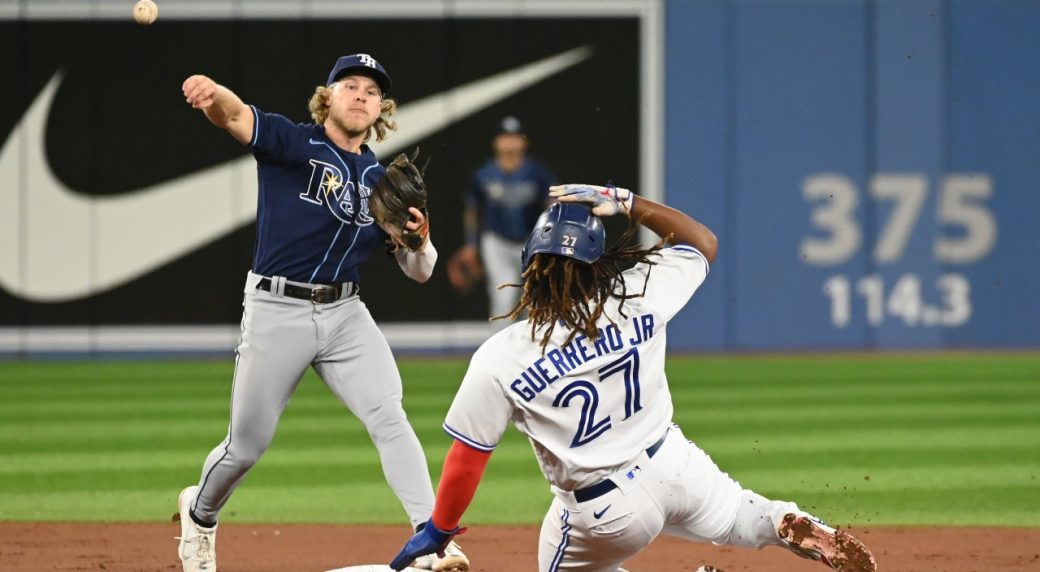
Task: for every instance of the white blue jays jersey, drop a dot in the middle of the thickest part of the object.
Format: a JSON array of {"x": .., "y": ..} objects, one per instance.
[
  {"x": 588, "y": 407},
  {"x": 312, "y": 217}
]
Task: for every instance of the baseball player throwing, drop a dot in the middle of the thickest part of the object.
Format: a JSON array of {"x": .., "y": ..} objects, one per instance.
[
  {"x": 583, "y": 377},
  {"x": 301, "y": 307}
]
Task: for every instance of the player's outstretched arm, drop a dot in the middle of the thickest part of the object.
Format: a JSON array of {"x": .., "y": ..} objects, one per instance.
[
  {"x": 662, "y": 219},
  {"x": 222, "y": 107},
  {"x": 463, "y": 468}
]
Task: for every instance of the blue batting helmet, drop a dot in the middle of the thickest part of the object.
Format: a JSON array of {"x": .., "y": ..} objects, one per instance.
[{"x": 566, "y": 229}]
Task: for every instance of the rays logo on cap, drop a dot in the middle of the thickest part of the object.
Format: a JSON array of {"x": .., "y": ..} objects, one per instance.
[
  {"x": 367, "y": 60},
  {"x": 362, "y": 64}
]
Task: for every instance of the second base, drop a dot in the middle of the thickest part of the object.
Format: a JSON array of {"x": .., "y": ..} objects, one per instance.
[{"x": 374, "y": 568}]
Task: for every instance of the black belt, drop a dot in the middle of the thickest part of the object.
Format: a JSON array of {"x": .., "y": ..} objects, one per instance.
[
  {"x": 606, "y": 485},
  {"x": 320, "y": 294}
]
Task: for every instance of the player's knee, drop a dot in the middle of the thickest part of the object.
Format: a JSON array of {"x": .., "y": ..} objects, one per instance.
[{"x": 387, "y": 422}]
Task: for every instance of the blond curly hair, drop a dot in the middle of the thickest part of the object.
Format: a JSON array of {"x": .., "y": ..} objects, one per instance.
[{"x": 319, "y": 108}]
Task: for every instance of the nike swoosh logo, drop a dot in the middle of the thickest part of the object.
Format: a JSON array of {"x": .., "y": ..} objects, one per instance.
[
  {"x": 602, "y": 512},
  {"x": 57, "y": 245}
]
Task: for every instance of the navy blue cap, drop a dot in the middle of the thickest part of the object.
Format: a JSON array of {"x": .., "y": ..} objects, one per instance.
[
  {"x": 510, "y": 125},
  {"x": 361, "y": 64},
  {"x": 566, "y": 229}
]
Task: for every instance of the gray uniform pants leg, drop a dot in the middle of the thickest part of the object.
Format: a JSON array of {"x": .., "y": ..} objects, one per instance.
[
  {"x": 502, "y": 265},
  {"x": 277, "y": 345},
  {"x": 356, "y": 363},
  {"x": 280, "y": 338}
]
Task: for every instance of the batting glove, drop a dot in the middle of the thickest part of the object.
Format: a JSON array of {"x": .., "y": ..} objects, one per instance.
[
  {"x": 605, "y": 201},
  {"x": 427, "y": 541}
]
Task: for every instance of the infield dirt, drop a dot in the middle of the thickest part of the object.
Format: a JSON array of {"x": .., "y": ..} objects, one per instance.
[{"x": 35, "y": 547}]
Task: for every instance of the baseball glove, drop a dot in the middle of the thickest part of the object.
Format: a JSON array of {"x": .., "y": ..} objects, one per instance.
[
  {"x": 464, "y": 269},
  {"x": 401, "y": 188}
]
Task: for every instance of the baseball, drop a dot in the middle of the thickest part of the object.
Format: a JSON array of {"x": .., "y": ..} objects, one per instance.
[{"x": 145, "y": 12}]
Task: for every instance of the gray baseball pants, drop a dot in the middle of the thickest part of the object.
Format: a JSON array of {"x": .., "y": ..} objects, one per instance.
[
  {"x": 281, "y": 337},
  {"x": 501, "y": 259}
]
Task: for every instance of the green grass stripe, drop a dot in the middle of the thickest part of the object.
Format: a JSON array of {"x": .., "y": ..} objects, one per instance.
[
  {"x": 980, "y": 406},
  {"x": 513, "y": 448},
  {"x": 867, "y": 459},
  {"x": 920, "y": 439},
  {"x": 315, "y": 470},
  {"x": 508, "y": 455},
  {"x": 360, "y": 502},
  {"x": 964, "y": 506},
  {"x": 891, "y": 478},
  {"x": 775, "y": 418}
]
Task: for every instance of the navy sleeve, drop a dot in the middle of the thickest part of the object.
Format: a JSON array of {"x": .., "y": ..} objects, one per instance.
[
  {"x": 474, "y": 196},
  {"x": 272, "y": 135}
]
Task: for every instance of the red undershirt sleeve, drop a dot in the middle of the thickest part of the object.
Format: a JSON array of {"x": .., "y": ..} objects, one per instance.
[{"x": 463, "y": 468}]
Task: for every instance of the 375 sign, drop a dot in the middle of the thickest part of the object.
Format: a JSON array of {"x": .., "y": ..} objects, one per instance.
[{"x": 967, "y": 233}]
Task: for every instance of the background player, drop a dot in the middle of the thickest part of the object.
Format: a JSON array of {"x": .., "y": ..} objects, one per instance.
[
  {"x": 583, "y": 377},
  {"x": 505, "y": 198},
  {"x": 301, "y": 298}
]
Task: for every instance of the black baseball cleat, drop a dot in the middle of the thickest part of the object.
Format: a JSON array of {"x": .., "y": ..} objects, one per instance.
[{"x": 837, "y": 548}]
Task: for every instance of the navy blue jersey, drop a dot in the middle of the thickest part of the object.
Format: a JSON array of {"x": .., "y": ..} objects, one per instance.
[
  {"x": 510, "y": 203},
  {"x": 312, "y": 217}
]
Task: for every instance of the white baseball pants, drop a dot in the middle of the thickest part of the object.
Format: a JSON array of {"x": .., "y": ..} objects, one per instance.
[{"x": 680, "y": 492}]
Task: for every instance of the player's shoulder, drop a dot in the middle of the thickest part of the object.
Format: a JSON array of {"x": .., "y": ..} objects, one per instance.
[
  {"x": 281, "y": 119},
  {"x": 497, "y": 341},
  {"x": 680, "y": 257},
  {"x": 671, "y": 254},
  {"x": 488, "y": 170},
  {"x": 286, "y": 127},
  {"x": 685, "y": 252},
  {"x": 539, "y": 169},
  {"x": 537, "y": 164},
  {"x": 503, "y": 343},
  {"x": 484, "y": 361}
]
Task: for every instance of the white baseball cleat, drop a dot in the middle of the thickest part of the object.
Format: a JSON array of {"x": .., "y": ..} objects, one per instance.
[
  {"x": 453, "y": 561},
  {"x": 810, "y": 538},
  {"x": 198, "y": 547}
]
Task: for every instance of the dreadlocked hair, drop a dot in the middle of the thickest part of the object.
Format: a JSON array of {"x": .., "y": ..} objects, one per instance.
[{"x": 558, "y": 290}]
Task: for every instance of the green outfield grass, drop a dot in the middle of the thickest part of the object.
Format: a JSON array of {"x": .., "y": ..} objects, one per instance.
[{"x": 885, "y": 439}]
